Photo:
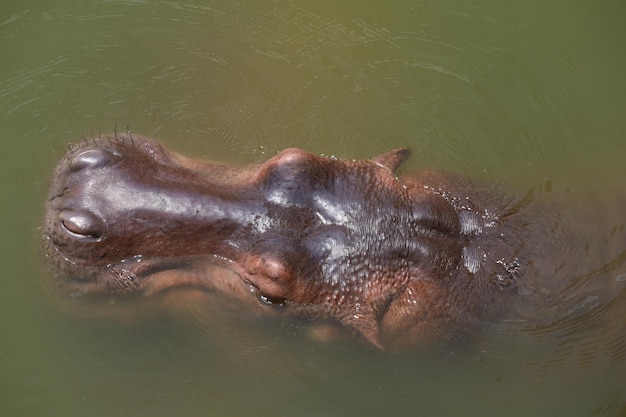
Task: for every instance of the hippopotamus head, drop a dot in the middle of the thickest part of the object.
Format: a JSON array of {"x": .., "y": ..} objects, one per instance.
[{"x": 350, "y": 241}]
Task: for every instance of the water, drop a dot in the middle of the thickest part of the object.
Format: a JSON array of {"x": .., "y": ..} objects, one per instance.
[{"x": 510, "y": 92}]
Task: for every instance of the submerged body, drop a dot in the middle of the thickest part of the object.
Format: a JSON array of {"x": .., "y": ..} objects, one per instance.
[{"x": 397, "y": 260}]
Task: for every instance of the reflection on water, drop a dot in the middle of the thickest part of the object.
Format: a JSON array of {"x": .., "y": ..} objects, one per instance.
[{"x": 497, "y": 92}]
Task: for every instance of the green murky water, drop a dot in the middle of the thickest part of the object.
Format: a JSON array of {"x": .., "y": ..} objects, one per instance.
[{"x": 508, "y": 92}]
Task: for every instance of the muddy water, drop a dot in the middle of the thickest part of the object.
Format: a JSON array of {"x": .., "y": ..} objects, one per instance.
[{"x": 523, "y": 94}]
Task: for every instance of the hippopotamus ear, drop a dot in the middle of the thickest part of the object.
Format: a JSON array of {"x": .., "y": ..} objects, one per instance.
[{"x": 393, "y": 159}]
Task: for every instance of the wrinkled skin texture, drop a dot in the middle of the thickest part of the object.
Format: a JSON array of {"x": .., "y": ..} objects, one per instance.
[{"x": 396, "y": 260}]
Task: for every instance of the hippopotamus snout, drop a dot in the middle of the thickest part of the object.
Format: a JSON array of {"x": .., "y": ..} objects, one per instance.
[
  {"x": 114, "y": 199},
  {"x": 79, "y": 222},
  {"x": 80, "y": 211}
]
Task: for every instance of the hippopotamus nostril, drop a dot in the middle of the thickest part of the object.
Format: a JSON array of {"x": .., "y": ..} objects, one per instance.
[
  {"x": 91, "y": 158},
  {"x": 82, "y": 223}
]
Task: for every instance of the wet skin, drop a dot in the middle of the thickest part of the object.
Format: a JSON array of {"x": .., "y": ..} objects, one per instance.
[{"x": 396, "y": 260}]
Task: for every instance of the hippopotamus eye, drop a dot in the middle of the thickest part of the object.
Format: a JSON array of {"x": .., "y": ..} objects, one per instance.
[
  {"x": 272, "y": 301},
  {"x": 82, "y": 223},
  {"x": 288, "y": 178}
]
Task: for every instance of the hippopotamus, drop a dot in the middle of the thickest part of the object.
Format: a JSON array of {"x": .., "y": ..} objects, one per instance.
[{"x": 394, "y": 259}]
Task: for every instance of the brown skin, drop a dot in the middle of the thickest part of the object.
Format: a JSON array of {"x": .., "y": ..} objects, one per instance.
[{"x": 398, "y": 260}]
